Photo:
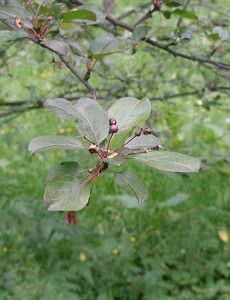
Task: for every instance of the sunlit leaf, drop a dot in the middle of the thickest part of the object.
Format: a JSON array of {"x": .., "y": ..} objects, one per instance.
[
  {"x": 66, "y": 193},
  {"x": 169, "y": 161},
  {"x": 185, "y": 14},
  {"x": 77, "y": 14},
  {"x": 66, "y": 168},
  {"x": 50, "y": 142},
  {"x": 130, "y": 112},
  {"x": 134, "y": 184},
  {"x": 92, "y": 120},
  {"x": 63, "y": 108},
  {"x": 171, "y": 3},
  {"x": 143, "y": 142}
]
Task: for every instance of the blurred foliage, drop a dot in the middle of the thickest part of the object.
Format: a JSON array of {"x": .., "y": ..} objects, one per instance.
[{"x": 174, "y": 247}]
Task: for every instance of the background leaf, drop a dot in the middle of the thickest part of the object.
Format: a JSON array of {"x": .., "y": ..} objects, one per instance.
[
  {"x": 130, "y": 112},
  {"x": 50, "y": 142},
  {"x": 169, "y": 161},
  {"x": 77, "y": 14},
  {"x": 92, "y": 120},
  {"x": 105, "y": 45},
  {"x": 185, "y": 14},
  {"x": 134, "y": 184}
]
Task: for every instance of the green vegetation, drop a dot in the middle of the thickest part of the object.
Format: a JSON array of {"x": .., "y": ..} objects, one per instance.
[{"x": 176, "y": 245}]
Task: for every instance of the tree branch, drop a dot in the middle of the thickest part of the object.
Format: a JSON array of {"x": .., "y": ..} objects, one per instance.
[
  {"x": 62, "y": 58},
  {"x": 165, "y": 48}
]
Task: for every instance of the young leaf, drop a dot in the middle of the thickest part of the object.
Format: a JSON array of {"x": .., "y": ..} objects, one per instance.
[
  {"x": 185, "y": 14},
  {"x": 92, "y": 120},
  {"x": 82, "y": 14},
  {"x": 105, "y": 45},
  {"x": 66, "y": 193},
  {"x": 169, "y": 161},
  {"x": 130, "y": 112},
  {"x": 134, "y": 184},
  {"x": 66, "y": 168},
  {"x": 63, "y": 108},
  {"x": 143, "y": 142},
  {"x": 50, "y": 142}
]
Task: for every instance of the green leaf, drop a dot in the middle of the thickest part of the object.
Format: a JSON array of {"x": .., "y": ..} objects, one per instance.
[
  {"x": 167, "y": 14},
  {"x": 143, "y": 142},
  {"x": 60, "y": 47},
  {"x": 185, "y": 14},
  {"x": 92, "y": 120},
  {"x": 79, "y": 14},
  {"x": 63, "y": 108},
  {"x": 134, "y": 184},
  {"x": 130, "y": 112},
  {"x": 105, "y": 45},
  {"x": 169, "y": 161},
  {"x": 50, "y": 142},
  {"x": 43, "y": 2},
  {"x": 66, "y": 194},
  {"x": 53, "y": 9},
  {"x": 66, "y": 168},
  {"x": 212, "y": 36},
  {"x": 171, "y": 3}
]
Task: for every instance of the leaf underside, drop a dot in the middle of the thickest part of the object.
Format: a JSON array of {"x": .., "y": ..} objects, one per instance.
[
  {"x": 50, "y": 142},
  {"x": 134, "y": 184},
  {"x": 66, "y": 193},
  {"x": 169, "y": 161}
]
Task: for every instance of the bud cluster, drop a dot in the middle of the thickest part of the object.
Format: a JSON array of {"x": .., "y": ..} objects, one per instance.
[
  {"x": 144, "y": 131},
  {"x": 113, "y": 128}
]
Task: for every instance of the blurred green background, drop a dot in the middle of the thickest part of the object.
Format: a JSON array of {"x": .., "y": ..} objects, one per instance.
[{"x": 177, "y": 245}]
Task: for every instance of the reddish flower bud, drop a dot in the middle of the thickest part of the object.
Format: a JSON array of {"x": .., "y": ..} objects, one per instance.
[
  {"x": 147, "y": 130},
  {"x": 93, "y": 149},
  {"x": 157, "y": 4},
  {"x": 104, "y": 154},
  {"x": 112, "y": 121},
  {"x": 18, "y": 22},
  {"x": 71, "y": 218},
  {"x": 158, "y": 147},
  {"x": 113, "y": 129},
  {"x": 138, "y": 132},
  {"x": 90, "y": 170}
]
